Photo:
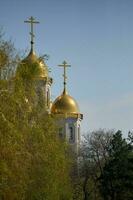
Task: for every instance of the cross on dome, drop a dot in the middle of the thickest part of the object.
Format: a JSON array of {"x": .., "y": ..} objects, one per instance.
[
  {"x": 64, "y": 65},
  {"x": 32, "y": 21}
]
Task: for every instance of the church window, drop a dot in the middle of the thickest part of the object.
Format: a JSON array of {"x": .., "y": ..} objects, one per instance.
[
  {"x": 79, "y": 132},
  {"x": 71, "y": 134},
  {"x": 48, "y": 98}
]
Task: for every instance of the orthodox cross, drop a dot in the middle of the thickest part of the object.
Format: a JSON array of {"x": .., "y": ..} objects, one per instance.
[
  {"x": 31, "y": 21},
  {"x": 64, "y": 65}
]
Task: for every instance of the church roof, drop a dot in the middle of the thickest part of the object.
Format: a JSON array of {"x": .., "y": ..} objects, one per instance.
[
  {"x": 32, "y": 59},
  {"x": 32, "y": 63},
  {"x": 65, "y": 104}
]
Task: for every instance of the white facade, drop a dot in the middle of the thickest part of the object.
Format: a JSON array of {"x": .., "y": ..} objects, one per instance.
[{"x": 70, "y": 130}]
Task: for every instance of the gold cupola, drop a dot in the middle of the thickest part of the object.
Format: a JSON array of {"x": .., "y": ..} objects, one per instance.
[
  {"x": 65, "y": 104},
  {"x": 32, "y": 62}
]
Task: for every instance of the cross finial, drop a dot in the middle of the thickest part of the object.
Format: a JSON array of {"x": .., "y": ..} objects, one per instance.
[
  {"x": 64, "y": 65},
  {"x": 31, "y": 21}
]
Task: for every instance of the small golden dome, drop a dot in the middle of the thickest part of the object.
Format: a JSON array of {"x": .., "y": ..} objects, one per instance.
[
  {"x": 31, "y": 59},
  {"x": 65, "y": 104}
]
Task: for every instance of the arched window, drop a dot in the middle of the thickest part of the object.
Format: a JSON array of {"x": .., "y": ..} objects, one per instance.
[
  {"x": 71, "y": 134},
  {"x": 79, "y": 132},
  {"x": 48, "y": 97}
]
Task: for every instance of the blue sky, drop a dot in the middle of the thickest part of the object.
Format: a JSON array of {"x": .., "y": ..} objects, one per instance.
[{"x": 96, "y": 38}]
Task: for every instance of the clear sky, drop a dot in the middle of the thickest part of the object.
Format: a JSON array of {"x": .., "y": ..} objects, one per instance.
[{"x": 96, "y": 38}]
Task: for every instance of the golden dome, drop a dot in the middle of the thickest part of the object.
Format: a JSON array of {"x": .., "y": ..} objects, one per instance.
[
  {"x": 65, "y": 104},
  {"x": 31, "y": 59}
]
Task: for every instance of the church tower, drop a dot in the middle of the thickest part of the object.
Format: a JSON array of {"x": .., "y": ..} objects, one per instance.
[
  {"x": 69, "y": 117},
  {"x": 64, "y": 107},
  {"x": 42, "y": 79}
]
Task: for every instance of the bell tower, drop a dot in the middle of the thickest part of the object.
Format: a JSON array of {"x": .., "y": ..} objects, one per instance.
[
  {"x": 42, "y": 78},
  {"x": 67, "y": 110}
]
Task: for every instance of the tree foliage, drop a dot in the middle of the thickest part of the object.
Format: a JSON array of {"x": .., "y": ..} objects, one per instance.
[
  {"x": 107, "y": 166},
  {"x": 9, "y": 57},
  {"x": 117, "y": 177},
  {"x": 33, "y": 161},
  {"x": 94, "y": 153}
]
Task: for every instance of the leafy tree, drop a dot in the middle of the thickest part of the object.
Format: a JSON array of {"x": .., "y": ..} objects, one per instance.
[
  {"x": 106, "y": 167},
  {"x": 9, "y": 57},
  {"x": 117, "y": 176},
  {"x": 33, "y": 164},
  {"x": 33, "y": 161},
  {"x": 94, "y": 153}
]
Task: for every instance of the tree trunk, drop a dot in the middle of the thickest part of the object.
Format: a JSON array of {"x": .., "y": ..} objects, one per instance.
[{"x": 86, "y": 194}]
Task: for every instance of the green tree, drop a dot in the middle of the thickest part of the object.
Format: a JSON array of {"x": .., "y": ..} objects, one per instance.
[
  {"x": 9, "y": 57},
  {"x": 117, "y": 176},
  {"x": 94, "y": 153},
  {"x": 33, "y": 161}
]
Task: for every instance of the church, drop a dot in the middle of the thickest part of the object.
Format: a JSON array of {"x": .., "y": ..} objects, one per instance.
[{"x": 64, "y": 106}]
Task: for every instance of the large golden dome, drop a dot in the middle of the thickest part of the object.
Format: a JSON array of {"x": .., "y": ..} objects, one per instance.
[
  {"x": 29, "y": 61},
  {"x": 65, "y": 104}
]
